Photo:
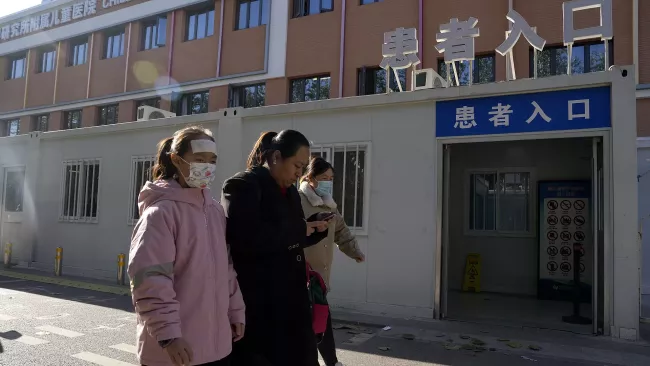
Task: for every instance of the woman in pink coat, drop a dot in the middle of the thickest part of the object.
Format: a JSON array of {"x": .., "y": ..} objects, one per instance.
[{"x": 184, "y": 287}]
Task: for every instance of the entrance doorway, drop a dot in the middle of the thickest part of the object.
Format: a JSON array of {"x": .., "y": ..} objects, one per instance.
[
  {"x": 11, "y": 210},
  {"x": 507, "y": 250}
]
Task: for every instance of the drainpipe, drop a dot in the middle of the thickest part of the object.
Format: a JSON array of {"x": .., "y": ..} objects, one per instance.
[
  {"x": 27, "y": 70},
  {"x": 56, "y": 71},
  {"x": 342, "y": 51},
  {"x": 90, "y": 63},
  {"x": 268, "y": 29},
  {"x": 635, "y": 36},
  {"x": 128, "y": 56},
  {"x": 170, "y": 57},
  {"x": 420, "y": 32}
]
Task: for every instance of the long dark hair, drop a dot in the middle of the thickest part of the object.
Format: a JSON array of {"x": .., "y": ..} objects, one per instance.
[
  {"x": 287, "y": 142},
  {"x": 316, "y": 167},
  {"x": 178, "y": 144}
]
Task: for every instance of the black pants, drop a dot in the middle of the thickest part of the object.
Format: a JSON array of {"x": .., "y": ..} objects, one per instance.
[
  {"x": 326, "y": 347},
  {"x": 224, "y": 362}
]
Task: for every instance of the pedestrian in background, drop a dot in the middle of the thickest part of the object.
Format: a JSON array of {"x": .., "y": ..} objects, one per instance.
[
  {"x": 267, "y": 233},
  {"x": 185, "y": 292},
  {"x": 316, "y": 189}
]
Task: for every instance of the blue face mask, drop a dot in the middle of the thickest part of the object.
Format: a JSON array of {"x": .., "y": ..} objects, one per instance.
[{"x": 324, "y": 188}]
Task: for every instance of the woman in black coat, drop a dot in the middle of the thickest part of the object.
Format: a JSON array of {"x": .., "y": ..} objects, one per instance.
[{"x": 267, "y": 232}]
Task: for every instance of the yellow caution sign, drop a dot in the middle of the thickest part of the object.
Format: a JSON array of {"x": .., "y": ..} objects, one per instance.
[{"x": 472, "y": 280}]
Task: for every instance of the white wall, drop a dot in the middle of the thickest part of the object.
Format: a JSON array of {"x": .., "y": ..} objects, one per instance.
[
  {"x": 509, "y": 264},
  {"x": 401, "y": 232},
  {"x": 401, "y": 202},
  {"x": 643, "y": 158},
  {"x": 91, "y": 249}
]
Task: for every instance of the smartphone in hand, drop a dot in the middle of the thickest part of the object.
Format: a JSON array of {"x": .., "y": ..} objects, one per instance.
[{"x": 321, "y": 216}]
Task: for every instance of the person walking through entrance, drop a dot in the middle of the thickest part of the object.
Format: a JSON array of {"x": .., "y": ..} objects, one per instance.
[
  {"x": 185, "y": 292},
  {"x": 316, "y": 195},
  {"x": 267, "y": 233}
]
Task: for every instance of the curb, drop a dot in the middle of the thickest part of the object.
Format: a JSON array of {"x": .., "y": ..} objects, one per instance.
[{"x": 124, "y": 291}]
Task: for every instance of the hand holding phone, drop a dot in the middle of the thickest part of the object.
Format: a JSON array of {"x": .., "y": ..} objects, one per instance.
[{"x": 321, "y": 216}]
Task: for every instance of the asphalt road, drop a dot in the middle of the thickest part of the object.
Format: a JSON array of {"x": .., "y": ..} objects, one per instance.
[{"x": 50, "y": 325}]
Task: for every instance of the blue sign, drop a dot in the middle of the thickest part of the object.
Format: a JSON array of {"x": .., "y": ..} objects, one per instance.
[{"x": 562, "y": 110}]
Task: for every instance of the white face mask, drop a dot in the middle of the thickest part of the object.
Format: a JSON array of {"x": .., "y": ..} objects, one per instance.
[
  {"x": 201, "y": 174},
  {"x": 325, "y": 188}
]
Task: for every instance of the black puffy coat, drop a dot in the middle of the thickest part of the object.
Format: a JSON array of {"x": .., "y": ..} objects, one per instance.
[{"x": 267, "y": 233}]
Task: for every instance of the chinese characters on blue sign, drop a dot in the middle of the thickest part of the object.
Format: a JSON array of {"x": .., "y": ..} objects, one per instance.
[{"x": 563, "y": 110}]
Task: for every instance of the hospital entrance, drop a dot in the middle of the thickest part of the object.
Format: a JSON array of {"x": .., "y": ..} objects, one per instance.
[{"x": 521, "y": 223}]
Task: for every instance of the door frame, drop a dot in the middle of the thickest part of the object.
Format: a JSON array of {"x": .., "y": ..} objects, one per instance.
[
  {"x": 4, "y": 171},
  {"x": 443, "y": 166}
]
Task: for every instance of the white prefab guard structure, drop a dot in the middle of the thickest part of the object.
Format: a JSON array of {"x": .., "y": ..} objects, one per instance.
[{"x": 80, "y": 187}]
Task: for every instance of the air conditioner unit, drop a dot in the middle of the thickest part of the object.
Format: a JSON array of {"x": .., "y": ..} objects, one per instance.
[
  {"x": 146, "y": 113},
  {"x": 428, "y": 79}
]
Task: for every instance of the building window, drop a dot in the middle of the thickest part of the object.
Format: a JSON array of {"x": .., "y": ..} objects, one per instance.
[
  {"x": 500, "y": 202},
  {"x": 17, "y": 67},
  {"x": 14, "y": 188},
  {"x": 79, "y": 199},
  {"x": 141, "y": 173},
  {"x": 114, "y": 44},
  {"x": 248, "y": 96},
  {"x": 194, "y": 103},
  {"x": 252, "y": 13},
  {"x": 302, "y": 8},
  {"x": 588, "y": 57},
  {"x": 78, "y": 54},
  {"x": 108, "y": 114},
  {"x": 308, "y": 89},
  {"x": 372, "y": 80},
  {"x": 72, "y": 119},
  {"x": 11, "y": 127},
  {"x": 350, "y": 162},
  {"x": 154, "y": 33},
  {"x": 365, "y": 2},
  {"x": 47, "y": 61},
  {"x": 484, "y": 70},
  {"x": 200, "y": 24},
  {"x": 41, "y": 122},
  {"x": 152, "y": 102}
]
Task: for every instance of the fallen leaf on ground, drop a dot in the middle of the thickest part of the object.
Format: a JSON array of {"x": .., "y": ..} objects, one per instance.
[
  {"x": 409, "y": 337},
  {"x": 388, "y": 327},
  {"x": 384, "y": 348},
  {"x": 464, "y": 337},
  {"x": 503, "y": 340},
  {"x": 477, "y": 342},
  {"x": 528, "y": 359},
  {"x": 513, "y": 345},
  {"x": 534, "y": 347},
  {"x": 452, "y": 347}
]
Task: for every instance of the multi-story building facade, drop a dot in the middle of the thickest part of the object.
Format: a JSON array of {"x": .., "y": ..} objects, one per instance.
[{"x": 70, "y": 64}]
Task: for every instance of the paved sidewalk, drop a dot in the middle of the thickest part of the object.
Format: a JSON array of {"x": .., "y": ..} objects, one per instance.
[
  {"x": 523, "y": 342},
  {"x": 65, "y": 280}
]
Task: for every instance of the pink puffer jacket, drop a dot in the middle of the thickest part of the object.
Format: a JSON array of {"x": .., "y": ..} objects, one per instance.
[{"x": 182, "y": 280}]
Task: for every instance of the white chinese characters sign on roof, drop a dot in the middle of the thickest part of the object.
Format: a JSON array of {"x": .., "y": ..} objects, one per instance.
[
  {"x": 59, "y": 16},
  {"x": 400, "y": 51},
  {"x": 457, "y": 38}
]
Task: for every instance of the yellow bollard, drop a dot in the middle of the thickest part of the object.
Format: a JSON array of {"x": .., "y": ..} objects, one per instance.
[
  {"x": 57, "y": 261},
  {"x": 7, "y": 259},
  {"x": 120, "y": 268}
]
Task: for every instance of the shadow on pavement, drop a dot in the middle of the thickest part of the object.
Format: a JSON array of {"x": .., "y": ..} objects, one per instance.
[{"x": 120, "y": 302}]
